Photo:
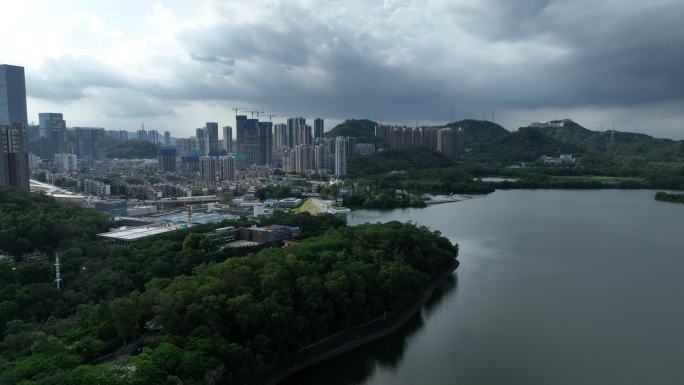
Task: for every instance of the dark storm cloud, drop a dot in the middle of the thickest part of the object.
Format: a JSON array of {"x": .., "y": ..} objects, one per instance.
[
  {"x": 408, "y": 60},
  {"x": 625, "y": 59},
  {"x": 618, "y": 54},
  {"x": 612, "y": 55},
  {"x": 302, "y": 63}
]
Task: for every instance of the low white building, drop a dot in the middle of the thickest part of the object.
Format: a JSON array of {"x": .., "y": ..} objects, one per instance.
[{"x": 561, "y": 159}]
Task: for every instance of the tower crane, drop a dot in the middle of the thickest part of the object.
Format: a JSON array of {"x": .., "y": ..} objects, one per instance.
[{"x": 255, "y": 112}]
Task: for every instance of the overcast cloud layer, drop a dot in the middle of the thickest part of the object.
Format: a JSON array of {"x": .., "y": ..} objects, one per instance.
[{"x": 177, "y": 64}]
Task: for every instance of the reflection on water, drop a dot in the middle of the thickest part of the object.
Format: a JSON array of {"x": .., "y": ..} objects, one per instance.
[
  {"x": 555, "y": 287},
  {"x": 386, "y": 352}
]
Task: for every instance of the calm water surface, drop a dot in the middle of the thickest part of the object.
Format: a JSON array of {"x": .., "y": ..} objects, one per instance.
[{"x": 555, "y": 287}]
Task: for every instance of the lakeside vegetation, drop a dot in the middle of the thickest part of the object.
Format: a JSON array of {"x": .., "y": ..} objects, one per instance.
[
  {"x": 202, "y": 314},
  {"x": 414, "y": 169},
  {"x": 602, "y": 160},
  {"x": 383, "y": 199},
  {"x": 665, "y": 197}
]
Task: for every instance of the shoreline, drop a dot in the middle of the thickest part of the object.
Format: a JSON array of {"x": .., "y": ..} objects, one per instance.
[{"x": 357, "y": 336}]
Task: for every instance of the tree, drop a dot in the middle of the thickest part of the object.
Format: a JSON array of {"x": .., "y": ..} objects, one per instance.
[{"x": 126, "y": 316}]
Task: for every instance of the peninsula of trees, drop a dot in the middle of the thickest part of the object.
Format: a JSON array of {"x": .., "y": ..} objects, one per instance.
[{"x": 665, "y": 197}]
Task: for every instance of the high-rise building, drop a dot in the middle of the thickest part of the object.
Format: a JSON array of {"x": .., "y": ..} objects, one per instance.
[
  {"x": 289, "y": 159},
  {"x": 226, "y": 168},
  {"x": 121, "y": 135},
  {"x": 255, "y": 140},
  {"x": 450, "y": 141},
  {"x": 397, "y": 136},
  {"x": 298, "y": 132},
  {"x": 250, "y": 142},
  {"x": 212, "y": 138},
  {"x": 208, "y": 168},
  {"x": 228, "y": 139},
  {"x": 321, "y": 157},
  {"x": 265, "y": 145},
  {"x": 153, "y": 136},
  {"x": 34, "y": 161},
  {"x": 429, "y": 137},
  {"x": 190, "y": 164},
  {"x": 195, "y": 148},
  {"x": 460, "y": 140},
  {"x": 13, "y": 96},
  {"x": 166, "y": 159},
  {"x": 66, "y": 162},
  {"x": 90, "y": 143},
  {"x": 201, "y": 136},
  {"x": 52, "y": 129},
  {"x": 14, "y": 160},
  {"x": 240, "y": 123},
  {"x": 304, "y": 158},
  {"x": 341, "y": 155},
  {"x": 364, "y": 148},
  {"x": 142, "y": 135},
  {"x": 382, "y": 131},
  {"x": 280, "y": 136},
  {"x": 167, "y": 138},
  {"x": 306, "y": 135},
  {"x": 183, "y": 146},
  {"x": 33, "y": 132},
  {"x": 14, "y": 163},
  {"x": 318, "y": 128}
]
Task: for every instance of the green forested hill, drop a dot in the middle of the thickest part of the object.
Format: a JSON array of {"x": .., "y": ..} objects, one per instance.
[
  {"x": 617, "y": 143},
  {"x": 480, "y": 134},
  {"x": 399, "y": 159},
  {"x": 362, "y": 129},
  {"x": 133, "y": 149},
  {"x": 524, "y": 145}
]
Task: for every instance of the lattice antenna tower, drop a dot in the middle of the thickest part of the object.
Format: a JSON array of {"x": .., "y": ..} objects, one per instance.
[{"x": 58, "y": 272}]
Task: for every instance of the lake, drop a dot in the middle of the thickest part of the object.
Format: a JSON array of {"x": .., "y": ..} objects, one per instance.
[{"x": 554, "y": 287}]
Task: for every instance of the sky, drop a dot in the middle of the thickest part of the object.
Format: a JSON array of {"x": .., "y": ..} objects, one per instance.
[{"x": 177, "y": 64}]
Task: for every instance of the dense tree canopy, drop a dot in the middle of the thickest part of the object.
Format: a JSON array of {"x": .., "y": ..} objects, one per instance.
[
  {"x": 400, "y": 159},
  {"x": 618, "y": 143},
  {"x": 133, "y": 149},
  {"x": 665, "y": 197},
  {"x": 200, "y": 312},
  {"x": 36, "y": 222},
  {"x": 415, "y": 169},
  {"x": 524, "y": 145},
  {"x": 480, "y": 134},
  {"x": 361, "y": 129}
]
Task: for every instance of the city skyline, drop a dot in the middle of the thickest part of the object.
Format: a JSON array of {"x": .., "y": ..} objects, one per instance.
[{"x": 177, "y": 64}]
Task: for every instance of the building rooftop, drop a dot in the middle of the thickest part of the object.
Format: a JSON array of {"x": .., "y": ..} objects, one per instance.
[
  {"x": 136, "y": 233},
  {"x": 197, "y": 217},
  {"x": 242, "y": 243}
]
